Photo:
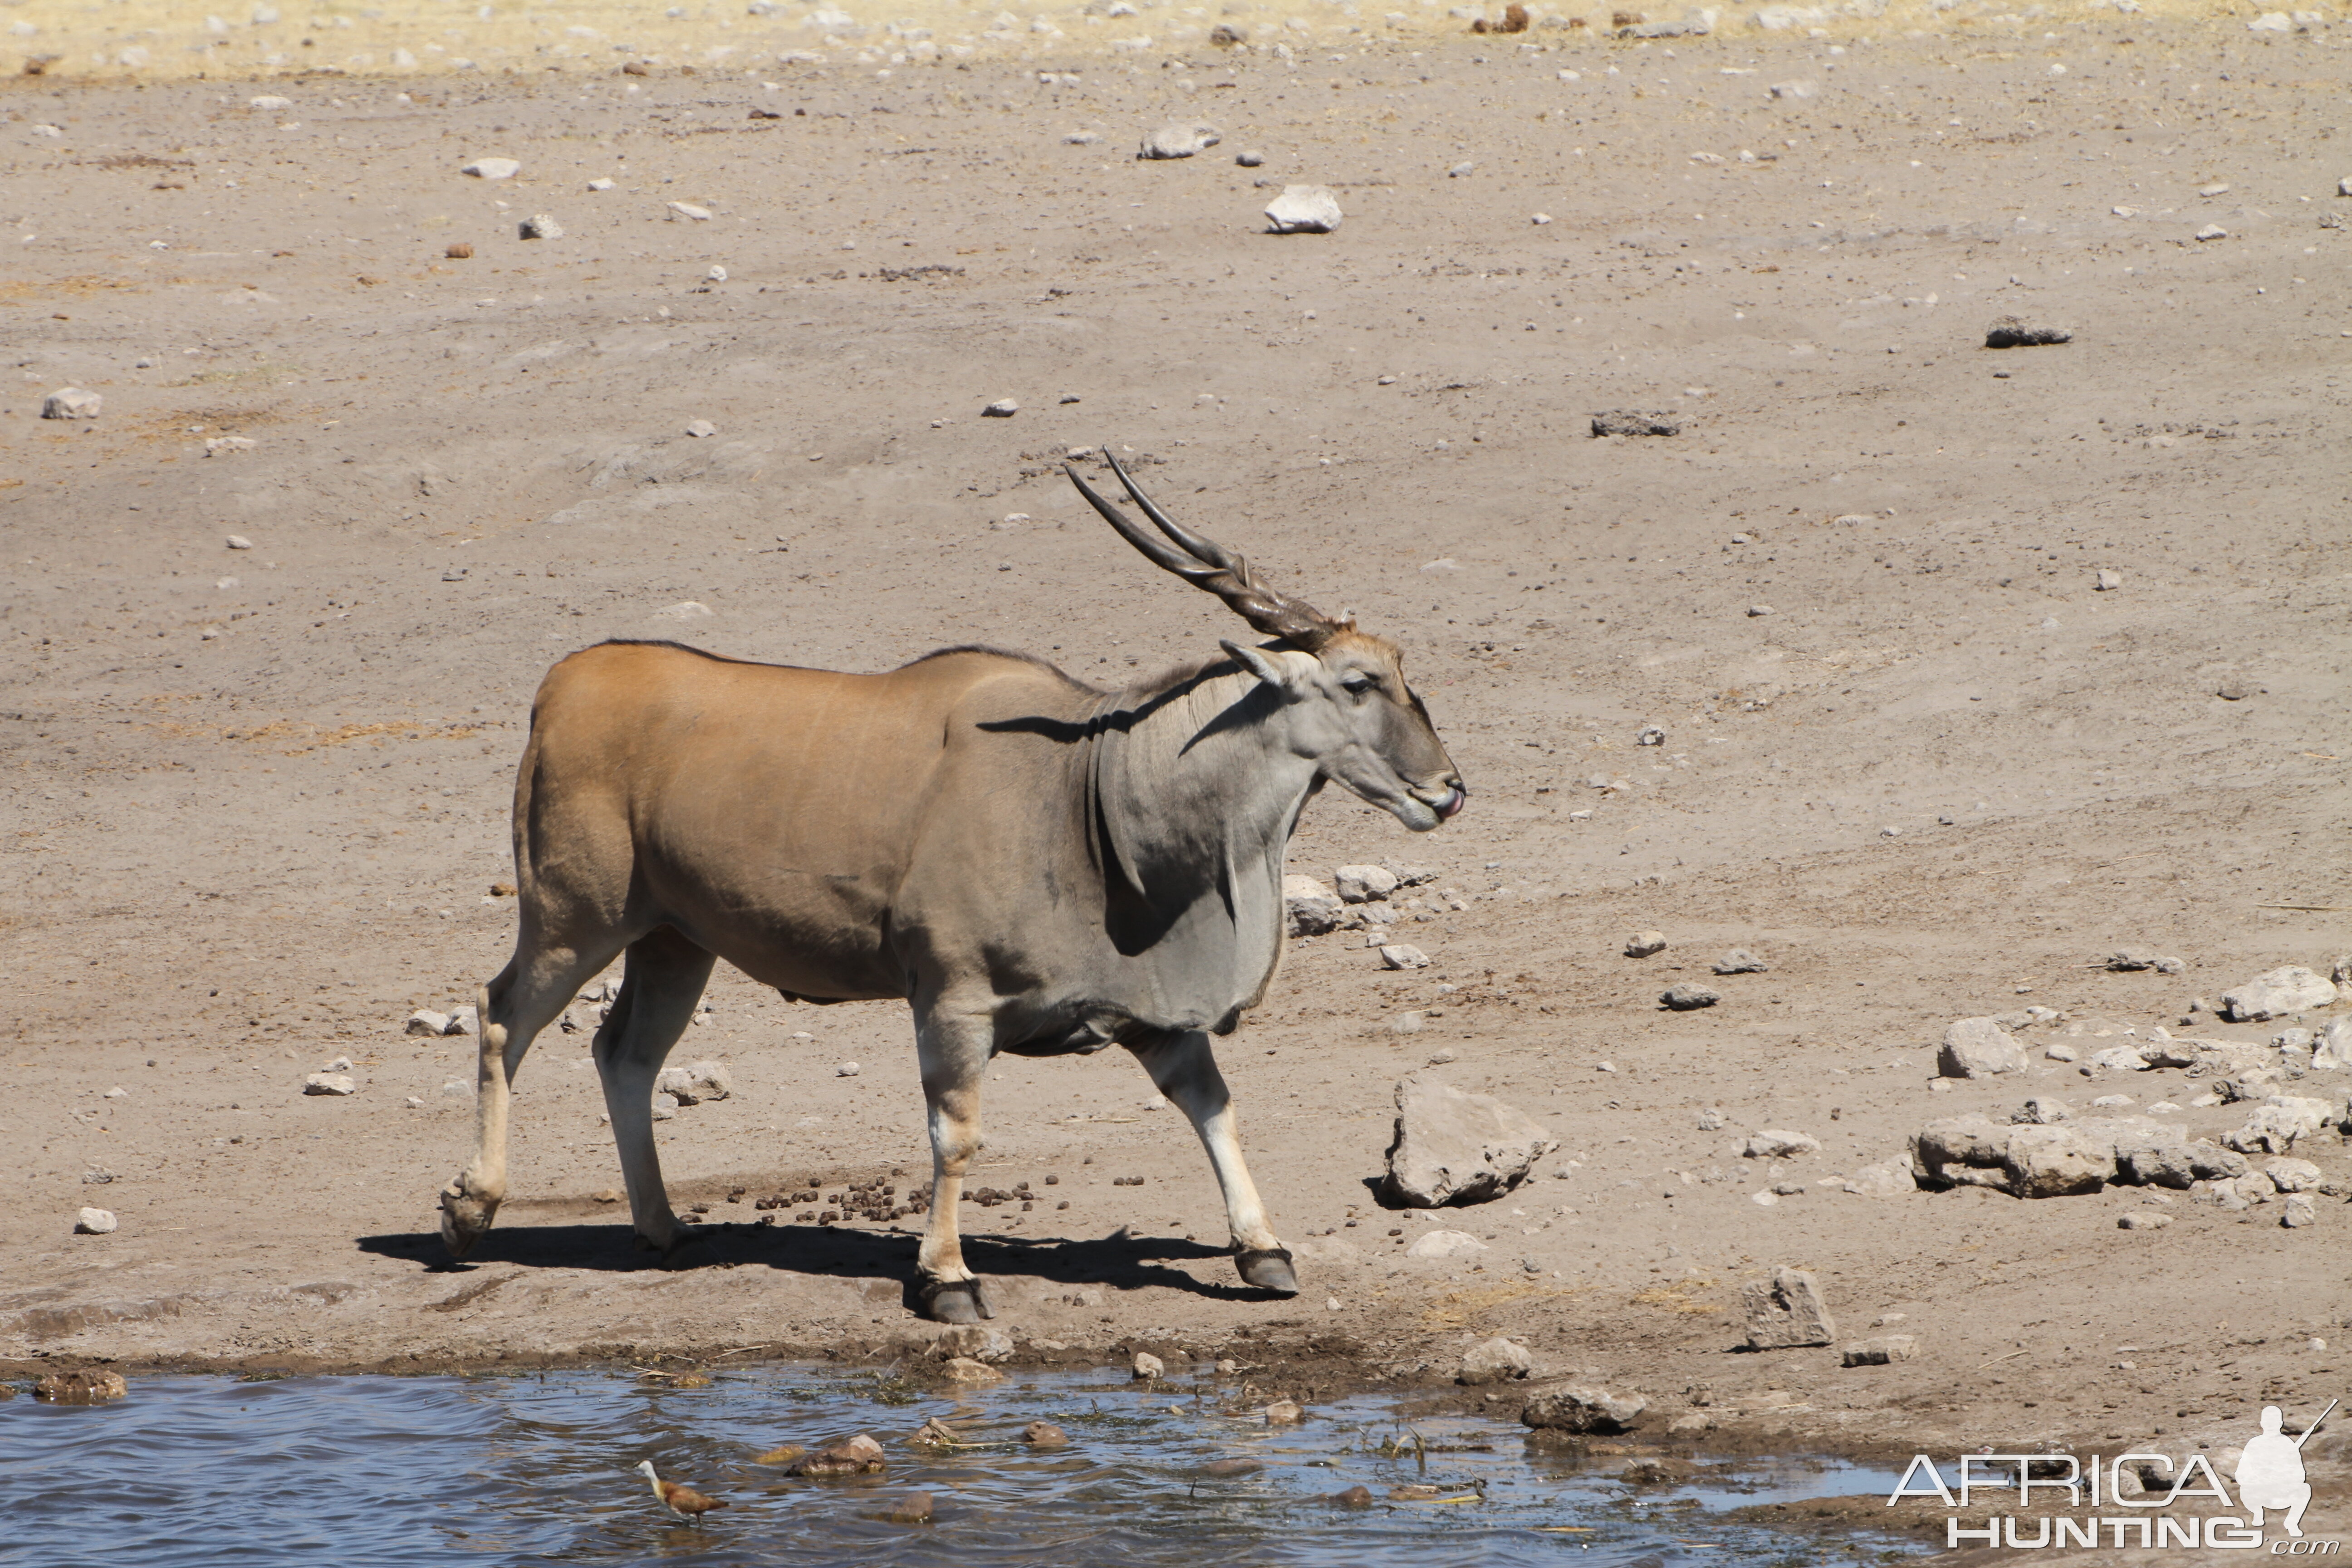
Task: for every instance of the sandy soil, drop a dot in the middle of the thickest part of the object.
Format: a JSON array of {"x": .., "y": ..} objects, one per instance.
[{"x": 258, "y": 796}]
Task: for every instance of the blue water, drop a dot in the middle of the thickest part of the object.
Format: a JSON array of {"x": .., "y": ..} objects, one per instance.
[{"x": 520, "y": 1469}]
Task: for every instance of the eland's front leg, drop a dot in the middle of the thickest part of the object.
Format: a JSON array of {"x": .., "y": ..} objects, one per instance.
[
  {"x": 953, "y": 1053},
  {"x": 1185, "y": 1068}
]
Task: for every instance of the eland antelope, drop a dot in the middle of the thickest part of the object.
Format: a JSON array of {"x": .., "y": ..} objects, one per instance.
[{"x": 1033, "y": 864}]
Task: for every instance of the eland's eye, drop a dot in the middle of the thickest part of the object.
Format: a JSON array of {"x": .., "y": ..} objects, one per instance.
[{"x": 1357, "y": 685}]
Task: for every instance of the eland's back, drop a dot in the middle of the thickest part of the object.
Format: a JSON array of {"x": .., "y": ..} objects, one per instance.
[{"x": 772, "y": 813}]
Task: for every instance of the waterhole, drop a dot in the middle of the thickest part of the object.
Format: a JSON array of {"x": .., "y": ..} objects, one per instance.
[{"x": 539, "y": 1468}]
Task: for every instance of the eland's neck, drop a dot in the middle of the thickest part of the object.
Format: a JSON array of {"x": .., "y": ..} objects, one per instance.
[{"x": 1195, "y": 781}]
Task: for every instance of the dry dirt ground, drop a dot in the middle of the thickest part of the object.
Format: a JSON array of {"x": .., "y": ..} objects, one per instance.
[{"x": 257, "y": 797}]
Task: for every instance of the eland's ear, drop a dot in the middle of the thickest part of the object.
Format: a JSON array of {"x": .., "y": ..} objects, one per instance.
[{"x": 1256, "y": 662}]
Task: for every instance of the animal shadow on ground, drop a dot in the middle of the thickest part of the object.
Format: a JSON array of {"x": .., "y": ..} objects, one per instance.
[{"x": 1124, "y": 1263}]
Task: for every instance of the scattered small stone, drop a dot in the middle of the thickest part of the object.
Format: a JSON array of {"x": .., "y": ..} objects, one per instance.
[
  {"x": 1583, "y": 1408},
  {"x": 2212, "y": 231},
  {"x": 1003, "y": 409},
  {"x": 2289, "y": 989},
  {"x": 1354, "y": 1497},
  {"x": 425, "y": 1021},
  {"x": 1740, "y": 961},
  {"x": 1146, "y": 1367},
  {"x": 71, "y": 403},
  {"x": 2217, "y": 189},
  {"x": 1178, "y": 140},
  {"x": 1444, "y": 1244},
  {"x": 2299, "y": 1212},
  {"x": 1632, "y": 422},
  {"x": 1684, "y": 996},
  {"x": 1304, "y": 209},
  {"x": 665, "y": 1107},
  {"x": 1772, "y": 1144},
  {"x": 95, "y": 1222},
  {"x": 693, "y": 1084},
  {"x": 1249, "y": 158},
  {"x": 1881, "y": 1181},
  {"x": 1978, "y": 1047},
  {"x": 2144, "y": 1219},
  {"x": 1755, "y": 610},
  {"x": 914, "y": 1507},
  {"x": 1794, "y": 91},
  {"x": 1789, "y": 1311},
  {"x": 492, "y": 168},
  {"x": 2044, "y": 1111},
  {"x": 1225, "y": 35},
  {"x": 1364, "y": 884},
  {"x": 1401, "y": 955},
  {"x": 464, "y": 1020},
  {"x": 538, "y": 225},
  {"x": 607, "y": 1195},
  {"x": 689, "y": 210},
  {"x": 935, "y": 1433},
  {"x": 458, "y": 250},
  {"x": 330, "y": 1083},
  {"x": 1309, "y": 907},
  {"x": 2060, "y": 1052},
  {"x": 89, "y": 1386},
  {"x": 2289, "y": 1175},
  {"x": 1710, "y": 1120},
  {"x": 599, "y": 184},
  {"x": 701, "y": 429},
  {"x": 1493, "y": 1361},
  {"x": 1453, "y": 1148},
  {"x": 1285, "y": 1413},
  {"x": 1045, "y": 1434},
  {"x": 1880, "y": 1352},
  {"x": 859, "y": 1456},
  {"x": 1461, "y": 171},
  {"x": 98, "y": 1177},
  {"x": 1081, "y": 139},
  {"x": 963, "y": 1369},
  {"x": 2010, "y": 333},
  {"x": 1643, "y": 944},
  {"x": 1650, "y": 735}
]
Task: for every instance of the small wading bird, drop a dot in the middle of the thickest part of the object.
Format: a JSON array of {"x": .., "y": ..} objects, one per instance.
[
  {"x": 683, "y": 1501},
  {"x": 1035, "y": 864}
]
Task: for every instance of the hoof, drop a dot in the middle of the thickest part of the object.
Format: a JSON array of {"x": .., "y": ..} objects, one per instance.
[
  {"x": 464, "y": 1219},
  {"x": 952, "y": 1301},
  {"x": 1268, "y": 1271}
]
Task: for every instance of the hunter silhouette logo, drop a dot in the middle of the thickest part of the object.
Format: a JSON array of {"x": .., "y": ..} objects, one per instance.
[
  {"x": 2269, "y": 1476},
  {"x": 2270, "y": 1472}
]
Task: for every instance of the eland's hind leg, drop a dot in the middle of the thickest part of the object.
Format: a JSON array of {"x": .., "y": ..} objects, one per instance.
[
  {"x": 1185, "y": 1067},
  {"x": 663, "y": 980},
  {"x": 524, "y": 999}
]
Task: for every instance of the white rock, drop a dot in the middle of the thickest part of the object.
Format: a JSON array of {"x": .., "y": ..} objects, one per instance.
[
  {"x": 1643, "y": 944},
  {"x": 1444, "y": 1244},
  {"x": 454, "y": 1089},
  {"x": 2289, "y": 989},
  {"x": 2332, "y": 1051},
  {"x": 1146, "y": 1367},
  {"x": 1081, "y": 138},
  {"x": 1978, "y": 1047},
  {"x": 599, "y": 184},
  {"x": 538, "y": 225},
  {"x": 2272, "y": 22},
  {"x": 1401, "y": 955},
  {"x": 1304, "y": 209},
  {"x": 1794, "y": 91},
  {"x": 2291, "y": 1175},
  {"x": 215, "y": 445},
  {"x": 2144, "y": 1219},
  {"x": 690, "y": 212},
  {"x": 1493, "y": 1361},
  {"x": 693, "y": 1084},
  {"x": 1773, "y": 1144},
  {"x": 845, "y": 1070},
  {"x": 425, "y": 1021},
  {"x": 2107, "y": 581},
  {"x": 1309, "y": 907},
  {"x": 684, "y": 610},
  {"x": 2300, "y": 1211},
  {"x": 1362, "y": 884},
  {"x": 1882, "y": 1181},
  {"x": 701, "y": 429},
  {"x": 330, "y": 1083},
  {"x": 269, "y": 100},
  {"x": 2212, "y": 231},
  {"x": 492, "y": 168},
  {"x": 665, "y": 1107},
  {"x": 1789, "y": 1311},
  {"x": 70, "y": 403},
  {"x": 1178, "y": 140},
  {"x": 1449, "y": 1147},
  {"x": 1003, "y": 409},
  {"x": 716, "y": 275},
  {"x": 239, "y": 541},
  {"x": 95, "y": 1222}
]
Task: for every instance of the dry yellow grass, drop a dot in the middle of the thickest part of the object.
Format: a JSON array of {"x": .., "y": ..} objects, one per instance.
[{"x": 248, "y": 39}]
